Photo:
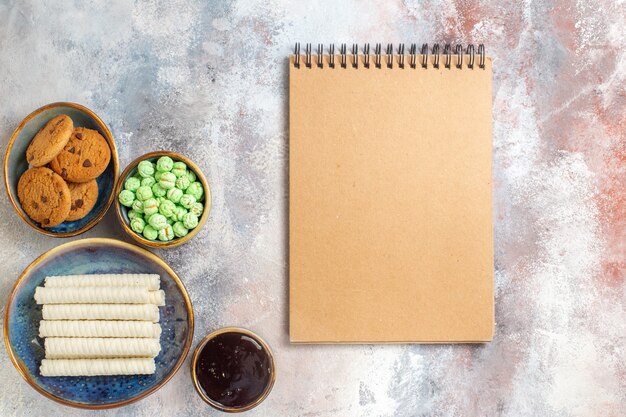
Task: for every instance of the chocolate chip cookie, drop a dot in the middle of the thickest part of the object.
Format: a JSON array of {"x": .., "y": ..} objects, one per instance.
[
  {"x": 44, "y": 196},
  {"x": 49, "y": 141},
  {"x": 84, "y": 157},
  {"x": 84, "y": 196}
]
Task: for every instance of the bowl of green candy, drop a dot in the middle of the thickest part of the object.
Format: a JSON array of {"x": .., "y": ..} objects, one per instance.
[{"x": 163, "y": 199}]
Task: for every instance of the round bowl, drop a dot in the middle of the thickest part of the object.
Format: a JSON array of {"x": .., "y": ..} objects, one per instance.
[
  {"x": 96, "y": 256},
  {"x": 122, "y": 211},
  {"x": 249, "y": 334},
  {"x": 15, "y": 164}
]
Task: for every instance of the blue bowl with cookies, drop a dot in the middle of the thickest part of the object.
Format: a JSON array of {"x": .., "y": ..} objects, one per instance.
[
  {"x": 163, "y": 199},
  {"x": 60, "y": 169}
]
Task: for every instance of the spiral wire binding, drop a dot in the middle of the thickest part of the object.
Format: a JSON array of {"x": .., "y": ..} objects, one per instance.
[
  {"x": 377, "y": 51},
  {"x": 413, "y": 52},
  {"x": 481, "y": 53},
  {"x": 401, "y": 55},
  {"x": 296, "y": 62},
  {"x": 389, "y": 55},
  {"x": 320, "y": 55},
  {"x": 307, "y": 56}
]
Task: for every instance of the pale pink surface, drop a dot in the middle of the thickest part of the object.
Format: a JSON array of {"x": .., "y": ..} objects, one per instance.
[{"x": 209, "y": 79}]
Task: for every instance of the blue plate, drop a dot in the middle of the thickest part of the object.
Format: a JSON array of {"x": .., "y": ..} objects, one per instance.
[
  {"x": 96, "y": 256},
  {"x": 15, "y": 164}
]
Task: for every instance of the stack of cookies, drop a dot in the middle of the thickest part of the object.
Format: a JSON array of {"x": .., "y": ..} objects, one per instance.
[{"x": 60, "y": 184}]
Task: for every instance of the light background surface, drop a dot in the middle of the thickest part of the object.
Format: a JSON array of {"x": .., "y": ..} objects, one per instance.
[{"x": 209, "y": 79}]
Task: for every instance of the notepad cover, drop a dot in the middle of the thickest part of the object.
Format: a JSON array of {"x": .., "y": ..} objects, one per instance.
[{"x": 390, "y": 204}]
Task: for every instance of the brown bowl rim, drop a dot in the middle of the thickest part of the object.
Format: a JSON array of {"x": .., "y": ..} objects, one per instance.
[
  {"x": 114, "y": 158},
  {"x": 177, "y": 241}
]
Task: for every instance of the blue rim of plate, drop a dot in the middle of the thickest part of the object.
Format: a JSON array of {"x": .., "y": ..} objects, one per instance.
[{"x": 77, "y": 244}]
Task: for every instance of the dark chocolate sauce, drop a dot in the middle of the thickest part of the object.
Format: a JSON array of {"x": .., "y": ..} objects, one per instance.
[{"x": 233, "y": 369}]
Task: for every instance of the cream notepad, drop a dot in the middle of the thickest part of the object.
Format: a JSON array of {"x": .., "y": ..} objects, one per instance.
[{"x": 390, "y": 208}]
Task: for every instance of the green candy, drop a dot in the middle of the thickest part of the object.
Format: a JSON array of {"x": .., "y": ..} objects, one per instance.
[
  {"x": 158, "y": 221},
  {"x": 179, "y": 169},
  {"x": 167, "y": 208},
  {"x": 190, "y": 220},
  {"x": 138, "y": 206},
  {"x": 197, "y": 209},
  {"x": 126, "y": 198},
  {"x": 196, "y": 190},
  {"x": 167, "y": 180},
  {"x": 158, "y": 191},
  {"x": 131, "y": 184},
  {"x": 157, "y": 176},
  {"x": 137, "y": 224},
  {"x": 179, "y": 213},
  {"x": 150, "y": 232},
  {"x": 148, "y": 181},
  {"x": 145, "y": 169},
  {"x": 174, "y": 195},
  {"x": 143, "y": 193},
  {"x": 170, "y": 221},
  {"x": 179, "y": 229},
  {"x": 150, "y": 206},
  {"x": 132, "y": 214},
  {"x": 161, "y": 200},
  {"x": 182, "y": 183},
  {"x": 187, "y": 201},
  {"x": 191, "y": 176},
  {"x": 164, "y": 164},
  {"x": 167, "y": 233}
]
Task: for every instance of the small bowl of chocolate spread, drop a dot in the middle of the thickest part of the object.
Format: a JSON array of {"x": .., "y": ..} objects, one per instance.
[{"x": 233, "y": 369}]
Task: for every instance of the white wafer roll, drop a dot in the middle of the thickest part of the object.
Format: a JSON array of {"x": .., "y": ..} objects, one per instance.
[
  {"x": 98, "y": 295},
  {"x": 99, "y": 348},
  {"x": 149, "y": 281},
  {"x": 156, "y": 297},
  {"x": 92, "y": 367},
  {"x": 146, "y": 312},
  {"x": 98, "y": 328}
]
